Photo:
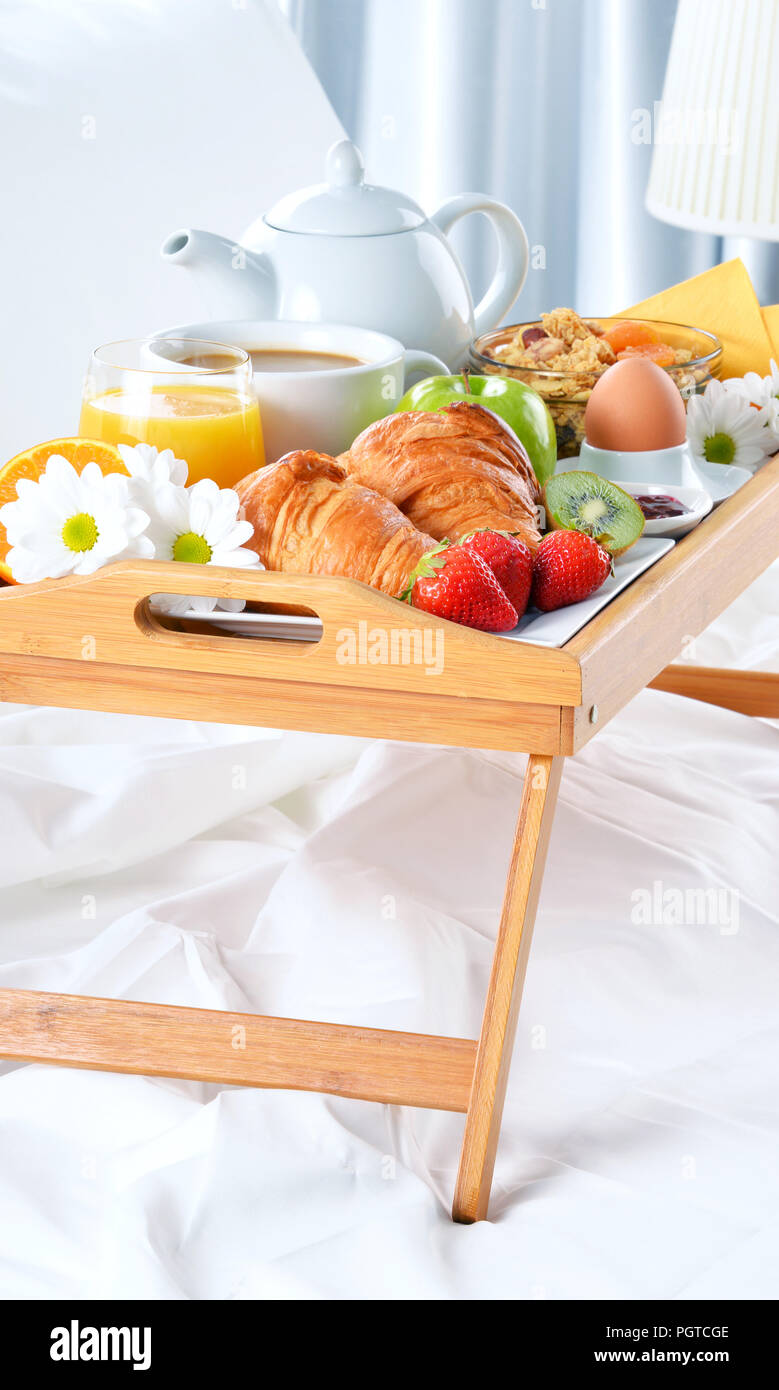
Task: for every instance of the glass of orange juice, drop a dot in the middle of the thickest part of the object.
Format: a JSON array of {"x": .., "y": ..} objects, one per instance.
[{"x": 193, "y": 397}]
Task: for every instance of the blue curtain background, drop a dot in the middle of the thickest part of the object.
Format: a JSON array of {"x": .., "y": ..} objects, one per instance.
[{"x": 533, "y": 102}]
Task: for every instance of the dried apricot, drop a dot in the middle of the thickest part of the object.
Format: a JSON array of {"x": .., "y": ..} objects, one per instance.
[
  {"x": 628, "y": 333},
  {"x": 661, "y": 353}
]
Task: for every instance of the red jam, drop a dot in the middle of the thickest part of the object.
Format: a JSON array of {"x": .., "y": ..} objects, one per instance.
[{"x": 659, "y": 505}]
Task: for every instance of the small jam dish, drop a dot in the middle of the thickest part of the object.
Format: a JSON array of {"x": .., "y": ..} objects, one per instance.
[{"x": 696, "y": 503}]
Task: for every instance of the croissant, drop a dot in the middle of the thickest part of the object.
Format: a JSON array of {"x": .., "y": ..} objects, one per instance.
[
  {"x": 310, "y": 518},
  {"x": 451, "y": 471}
]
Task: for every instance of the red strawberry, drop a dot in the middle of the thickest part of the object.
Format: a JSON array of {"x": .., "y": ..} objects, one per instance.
[
  {"x": 455, "y": 583},
  {"x": 568, "y": 567},
  {"x": 510, "y": 560}
]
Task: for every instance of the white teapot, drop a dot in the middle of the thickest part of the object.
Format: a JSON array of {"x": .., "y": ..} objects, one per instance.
[{"x": 345, "y": 251}]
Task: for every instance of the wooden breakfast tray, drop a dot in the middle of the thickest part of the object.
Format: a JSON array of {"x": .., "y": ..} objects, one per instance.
[{"x": 92, "y": 643}]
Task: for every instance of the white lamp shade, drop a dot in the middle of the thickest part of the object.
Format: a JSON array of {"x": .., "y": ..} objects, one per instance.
[{"x": 715, "y": 163}]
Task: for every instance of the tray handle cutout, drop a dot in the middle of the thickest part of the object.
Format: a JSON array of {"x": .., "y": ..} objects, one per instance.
[{"x": 264, "y": 618}]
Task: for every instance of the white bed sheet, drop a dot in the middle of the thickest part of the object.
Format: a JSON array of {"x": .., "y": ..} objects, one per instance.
[{"x": 331, "y": 878}]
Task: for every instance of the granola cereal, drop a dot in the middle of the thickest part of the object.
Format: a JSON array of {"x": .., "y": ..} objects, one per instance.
[
  {"x": 562, "y": 355},
  {"x": 564, "y": 342}
]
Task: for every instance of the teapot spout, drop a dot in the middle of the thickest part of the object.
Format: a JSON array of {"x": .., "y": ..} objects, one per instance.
[{"x": 237, "y": 283}]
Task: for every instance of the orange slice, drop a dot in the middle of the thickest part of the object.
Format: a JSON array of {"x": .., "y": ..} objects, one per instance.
[{"x": 32, "y": 463}]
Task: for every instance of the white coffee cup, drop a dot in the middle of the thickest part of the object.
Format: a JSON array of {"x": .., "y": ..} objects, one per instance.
[{"x": 326, "y": 409}]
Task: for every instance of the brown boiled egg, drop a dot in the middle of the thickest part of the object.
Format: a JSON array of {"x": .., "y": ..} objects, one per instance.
[{"x": 634, "y": 406}]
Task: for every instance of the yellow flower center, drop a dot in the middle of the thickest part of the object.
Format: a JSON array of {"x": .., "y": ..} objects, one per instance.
[
  {"x": 192, "y": 549},
  {"x": 719, "y": 448},
  {"x": 80, "y": 532}
]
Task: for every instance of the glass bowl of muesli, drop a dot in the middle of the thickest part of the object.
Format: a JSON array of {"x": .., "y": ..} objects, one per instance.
[{"x": 561, "y": 355}]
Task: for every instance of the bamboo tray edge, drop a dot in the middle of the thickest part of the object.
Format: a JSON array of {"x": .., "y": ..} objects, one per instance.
[{"x": 84, "y": 639}]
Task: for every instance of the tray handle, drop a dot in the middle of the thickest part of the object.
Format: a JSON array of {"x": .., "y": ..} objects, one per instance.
[
  {"x": 105, "y": 617},
  {"x": 128, "y": 585}
]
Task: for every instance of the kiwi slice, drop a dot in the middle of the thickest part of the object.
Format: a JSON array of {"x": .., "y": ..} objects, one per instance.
[{"x": 589, "y": 503}]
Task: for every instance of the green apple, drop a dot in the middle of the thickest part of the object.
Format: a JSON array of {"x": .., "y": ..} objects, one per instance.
[{"x": 519, "y": 405}]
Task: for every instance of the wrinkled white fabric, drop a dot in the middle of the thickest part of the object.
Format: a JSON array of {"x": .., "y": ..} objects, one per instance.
[{"x": 361, "y": 882}]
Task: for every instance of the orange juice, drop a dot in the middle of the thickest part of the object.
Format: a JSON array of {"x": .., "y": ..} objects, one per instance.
[{"x": 216, "y": 430}]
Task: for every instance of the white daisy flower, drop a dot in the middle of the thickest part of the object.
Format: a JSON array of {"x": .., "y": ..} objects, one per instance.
[
  {"x": 150, "y": 470},
  {"x": 758, "y": 390},
  {"x": 151, "y": 465},
  {"x": 72, "y": 523},
  {"x": 200, "y": 525},
  {"x": 770, "y": 414},
  {"x": 723, "y": 428}
]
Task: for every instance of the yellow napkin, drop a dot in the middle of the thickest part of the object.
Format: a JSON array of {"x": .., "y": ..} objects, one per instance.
[
  {"x": 771, "y": 321},
  {"x": 722, "y": 300}
]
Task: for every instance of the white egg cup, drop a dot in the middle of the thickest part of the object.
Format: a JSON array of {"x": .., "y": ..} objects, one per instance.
[{"x": 662, "y": 466}]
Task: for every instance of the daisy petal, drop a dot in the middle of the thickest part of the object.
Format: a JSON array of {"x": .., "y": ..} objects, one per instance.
[
  {"x": 242, "y": 531},
  {"x": 238, "y": 559},
  {"x": 172, "y": 509},
  {"x": 135, "y": 521},
  {"x": 139, "y": 549}
]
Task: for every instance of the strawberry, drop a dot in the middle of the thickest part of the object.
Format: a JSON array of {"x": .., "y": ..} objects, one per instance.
[
  {"x": 510, "y": 560},
  {"x": 568, "y": 567},
  {"x": 455, "y": 583}
]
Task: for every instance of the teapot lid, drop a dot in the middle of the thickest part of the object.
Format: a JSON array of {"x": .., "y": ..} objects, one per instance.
[{"x": 345, "y": 205}]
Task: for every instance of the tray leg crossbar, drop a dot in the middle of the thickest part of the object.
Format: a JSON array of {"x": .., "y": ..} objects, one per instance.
[
  {"x": 747, "y": 692},
  {"x": 236, "y": 1049},
  {"x": 437, "y": 1073}
]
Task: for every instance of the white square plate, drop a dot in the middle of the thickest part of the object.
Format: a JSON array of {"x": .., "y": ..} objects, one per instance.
[
  {"x": 556, "y": 628},
  {"x": 543, "y": 629}
]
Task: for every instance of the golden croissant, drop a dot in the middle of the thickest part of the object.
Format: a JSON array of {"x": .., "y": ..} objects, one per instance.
[
  {"x": 310, "y": 518},
  {"x": 451, "y": 471}
]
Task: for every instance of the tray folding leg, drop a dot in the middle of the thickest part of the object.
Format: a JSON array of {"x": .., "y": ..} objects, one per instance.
[
  {"x": 501, "y": 1011},
  {"x": 443, "y": 1073}
]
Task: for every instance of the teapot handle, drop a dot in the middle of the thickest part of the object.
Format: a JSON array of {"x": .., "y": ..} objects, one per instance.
[{"x": 513, "y": 253}]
